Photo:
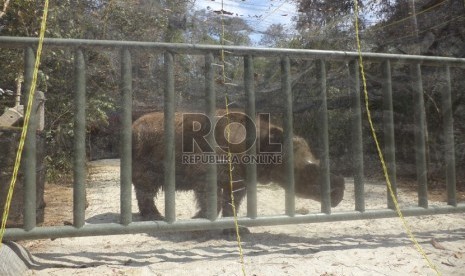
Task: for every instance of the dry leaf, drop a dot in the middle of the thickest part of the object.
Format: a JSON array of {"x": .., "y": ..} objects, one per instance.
[{"x": 437, "y": 245}]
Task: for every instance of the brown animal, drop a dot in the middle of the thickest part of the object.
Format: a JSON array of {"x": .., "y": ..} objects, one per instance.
[{"x": 148, "y": 155}]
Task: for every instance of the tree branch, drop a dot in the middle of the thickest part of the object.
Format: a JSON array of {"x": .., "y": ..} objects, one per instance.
[{"x": 5, "y": 7}]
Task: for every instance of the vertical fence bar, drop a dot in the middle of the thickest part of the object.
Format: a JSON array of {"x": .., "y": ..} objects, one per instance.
[
  {"x": 389, "y": 140},
  {"x": 357, "y": 137},
  {"x": 79, "y": 189},
  {"x": 126, "y": 138},
  {"x": 30, "y": 149},
  {"x": 323, "y": 128},
  {"x": 169, "y": 161},
  {"x": 212, "y": 208},
  {"x": 288, "y": 148},
  {"x": 420, "y": 134},
  {"x": 449, "y": 147},
  {"x": 251, "y": 168}
]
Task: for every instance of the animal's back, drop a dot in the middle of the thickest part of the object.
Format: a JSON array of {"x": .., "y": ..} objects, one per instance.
[
  {"x": 147, "y": 133},
  {"x": 147, "y": 140}
]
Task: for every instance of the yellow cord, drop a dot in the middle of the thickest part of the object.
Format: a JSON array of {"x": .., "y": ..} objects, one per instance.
[
  {"x": 26, "y": 123},
  {"x": 380, "y": 153},
  {"x": 236, "y": 224},
  {"x": 375, "y": 28},
  {"x": 228, "y": 133}
]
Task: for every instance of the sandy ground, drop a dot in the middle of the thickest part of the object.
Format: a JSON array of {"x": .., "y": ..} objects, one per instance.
[{"x": 368, "y": 247}]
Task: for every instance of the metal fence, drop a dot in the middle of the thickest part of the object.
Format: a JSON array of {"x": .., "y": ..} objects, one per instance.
[{"x": 126, "y": 225}]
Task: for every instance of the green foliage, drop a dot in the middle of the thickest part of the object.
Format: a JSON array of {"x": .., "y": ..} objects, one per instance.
[{"x": 67, "y": 19}]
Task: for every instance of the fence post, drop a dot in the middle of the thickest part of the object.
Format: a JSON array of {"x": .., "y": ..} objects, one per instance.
[
  {"x": 210, "y": 93},
  {"x": 288, "y": 148},
  {"x": 357, "y": 137},
  {"x": 169, "y": 161},
  {"x": 389, "y": 138},
  {"x": 79, "y": 191},
  {"x": 323, "y": 129},
  {"x": 126, "y": 138},
  {"x": 420, "y": 134},
  {"x": 30, "y": 151},
  {"x": 251, "y": 168},
  {"x": 449, "y": 147}
]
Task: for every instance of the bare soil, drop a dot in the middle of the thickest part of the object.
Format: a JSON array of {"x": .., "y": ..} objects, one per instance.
[{"x": 368, "y": 247}]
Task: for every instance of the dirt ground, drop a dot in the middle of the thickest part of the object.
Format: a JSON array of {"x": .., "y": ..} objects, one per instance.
[{"x": 368, "y": 247}]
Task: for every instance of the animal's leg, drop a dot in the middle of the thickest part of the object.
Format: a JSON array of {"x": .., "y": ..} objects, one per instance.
[
  {"x": 145, "y": 199},
  {"x": 239, "y": 195},
  {"x": 202, "y": 202}
]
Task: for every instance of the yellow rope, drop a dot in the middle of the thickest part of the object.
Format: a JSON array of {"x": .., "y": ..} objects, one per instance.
[
  {"x": 406, "y": 18},
  {"x": 426, "y": 30},
  {"x": 228, "y": 133},
  {"x": 26, "y": 122},
  {"x": 380, "y": 153},
  {"x": 236, "y": 224}
]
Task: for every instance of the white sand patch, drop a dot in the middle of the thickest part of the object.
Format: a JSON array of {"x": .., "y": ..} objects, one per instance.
[{"x": 366, "y": 247}]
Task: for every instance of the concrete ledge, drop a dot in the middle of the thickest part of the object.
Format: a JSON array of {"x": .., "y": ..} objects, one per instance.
[{"x": 14, "y": 259}]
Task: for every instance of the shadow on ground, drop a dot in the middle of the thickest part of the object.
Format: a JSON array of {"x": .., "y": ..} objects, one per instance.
[{"x": 255, "y": 244}]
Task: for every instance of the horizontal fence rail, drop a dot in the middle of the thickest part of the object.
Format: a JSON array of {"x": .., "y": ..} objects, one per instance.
[
  {"x": 203, "y": 224},
  {"x": 184, "y": 48},
  {"x": 170, "y": 50}
]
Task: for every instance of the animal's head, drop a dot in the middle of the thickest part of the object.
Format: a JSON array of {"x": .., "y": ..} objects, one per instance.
[{"x": 308, "y": 184}]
